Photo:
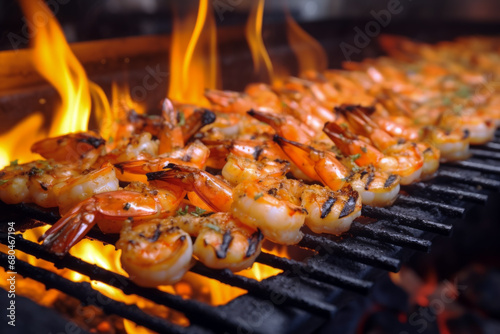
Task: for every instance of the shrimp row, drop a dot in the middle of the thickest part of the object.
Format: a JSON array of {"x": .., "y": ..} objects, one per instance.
[{"x": 269, "y": 162}]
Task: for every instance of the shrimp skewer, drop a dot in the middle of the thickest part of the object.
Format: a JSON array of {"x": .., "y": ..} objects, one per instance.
[
  {"x": 404, "y": 160},
  {"x": 109, "y": 210},
  {"x": 222, "y": 241},
  {"x": 375, "y": 187}
]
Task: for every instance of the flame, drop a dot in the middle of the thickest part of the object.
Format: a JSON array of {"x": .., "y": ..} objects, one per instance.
[
  {"x": 221, "y": 294},
  {"x": 310, "y": 54},
  {"x": 15, "y": 143},
  {"x": 193, "y": 55},
  {"x": 54, "y": 60},
  {"x": 261, "y": 61}
]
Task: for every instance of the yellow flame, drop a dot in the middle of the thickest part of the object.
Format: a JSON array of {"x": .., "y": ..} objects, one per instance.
[
  {"x": 14, "y": 143},
  {"x": 102, "y": 109},
  {"x": 310, "y": 54},
  {"x": 55, "y": 61},
  {"x": 253, "y": 31},
  {"x": 221, "y": 294},
  {"x": 193, "y": 55}
]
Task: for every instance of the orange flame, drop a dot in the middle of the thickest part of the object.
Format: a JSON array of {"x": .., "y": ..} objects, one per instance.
[
  {"x": 14, "y": 142},
  {"x": 310, "y": 54},
  {"x": 262, "y": 63},
  {"x": 221, "y": 294},
  {"x": 55, "y": 61},
  {"x": 193, "y": 56}
]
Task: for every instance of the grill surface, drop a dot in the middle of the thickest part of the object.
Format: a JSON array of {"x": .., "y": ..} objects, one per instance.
[{"x": 308, "y": 291}]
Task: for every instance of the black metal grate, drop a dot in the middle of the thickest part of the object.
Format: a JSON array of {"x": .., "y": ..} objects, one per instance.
[{"x": 309, "y": 290}]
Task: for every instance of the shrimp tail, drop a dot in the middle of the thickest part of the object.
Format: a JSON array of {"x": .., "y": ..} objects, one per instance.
[
  {"x": 195, "y": 122},
  {"x": 266, "y": 117},
  {"x": 299, "y": 154},
  {"x": 68, "y": 230},
  {"x": 340, "y": 136}
]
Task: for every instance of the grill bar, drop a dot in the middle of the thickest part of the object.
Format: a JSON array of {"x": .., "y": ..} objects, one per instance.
[
  {"x": 485, "y": 154},
  {"x": 449, "y": 210},
  {"x": 365, "y": 255},
  {"x": 319, "y": 274},
  {"x": 450, "y": 191},
  {"x": 469, "y": 179},
  {"x": 394, "y": 238},
  {"x": 84, "y": 292},
  {"x": 197, "y": 312},
  {"x": 411, "y": 221},
  {"x": 266, "y": 291},
  {"x": 476, "y": 166},
  {"x": 492, "y": 146}
]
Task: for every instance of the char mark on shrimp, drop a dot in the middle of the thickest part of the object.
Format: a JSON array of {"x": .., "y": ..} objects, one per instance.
[
  {"x": 390, "y": 180},
  {"x": 253, "y": 243},
  {"x": 350, "y": 204},
  {"x": 221, "y": 251},
  {"x": 327, "y": 206}
]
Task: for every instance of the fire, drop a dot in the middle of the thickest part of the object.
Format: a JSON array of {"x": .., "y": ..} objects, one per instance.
[
  {"x": 310, "y": 54},
  {"x": 55, "y": 61},
  {"x": 221, "y": 294},
  {"x": 193, "y": 55},
  {"x": 15, "y": 142},
  {"x": 262, "y": 63},
  {"x": 193, "y": 67}
]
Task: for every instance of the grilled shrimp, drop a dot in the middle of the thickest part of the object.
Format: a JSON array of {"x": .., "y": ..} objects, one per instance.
[
  {"x": 49, "y": 184},
  {"x": 34, "y": 182},
  {"x": 211, "y": 190},
  {"x": 194, "y": 155},
  {"x": 238, "y": 169},
  {"x": 81, "y": 148},
  {"x": 279, "y": 219},
  {"x": 330, "y": 211},
  {"x": 358, "y": 119},
  {"x": 256, "y": 96},
  {"x": 222, "y": 241},
  {"x": 108, "y": 210},
  {"x": 286, "y": 126},
  {"x": 375, "y": 187},
  {"x": 154, "y": 252},
  {"x": 89, "y": 183},
  {"x": 404, "y": 160}
]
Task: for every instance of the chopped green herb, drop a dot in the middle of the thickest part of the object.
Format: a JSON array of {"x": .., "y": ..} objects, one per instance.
[
  {"x": 364, "y": 149},
  {"x": 283, "y": 104},
  {"x": 355, "y": 156},
  {"x": 344, "y": 125},
  {"x": 213, "y": 227},
  {"x": 446, "y": 101},
  {"x": 14, "y": 163},
  {"x": 356, "y": 169},
  {"x": 110, "y": 140},
  {"x": 258, "y": 195},
  {"x": 457, "y": 109},
  {"x": 126, "y": 206},
  {"x": 463, "y": 91},
  {"x": 2, "y": 182},
  {"x": 181, "y": 118},
  {"x": 198, "y": 212},
  {"x": 183, "y": 212}
]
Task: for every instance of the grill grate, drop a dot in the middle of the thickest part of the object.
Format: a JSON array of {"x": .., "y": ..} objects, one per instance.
[{"x": 313, "y": 288}]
